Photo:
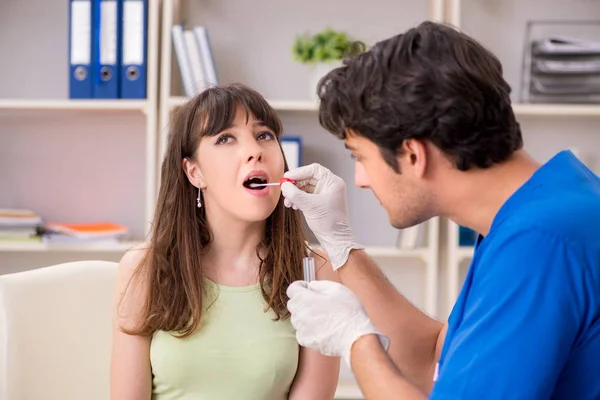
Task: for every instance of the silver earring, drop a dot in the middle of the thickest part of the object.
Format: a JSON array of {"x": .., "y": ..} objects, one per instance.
[{"x": 198, "y": 202}]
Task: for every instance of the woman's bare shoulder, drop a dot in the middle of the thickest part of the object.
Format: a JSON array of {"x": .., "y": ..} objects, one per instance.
[
  {"x": 132, "y": 286},
  {"x": 133, "y": 257}
]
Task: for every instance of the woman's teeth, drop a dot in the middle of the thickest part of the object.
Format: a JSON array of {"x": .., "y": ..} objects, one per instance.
[{"x": 255, "y": 183}]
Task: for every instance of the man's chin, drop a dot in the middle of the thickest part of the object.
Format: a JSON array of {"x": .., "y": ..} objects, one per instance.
[
  {"x": 399, "y": 225},
  {"x": 403, "y": 223}
]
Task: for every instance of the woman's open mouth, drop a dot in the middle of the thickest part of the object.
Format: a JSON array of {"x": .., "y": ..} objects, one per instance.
[{"x": 255, "y": 183}]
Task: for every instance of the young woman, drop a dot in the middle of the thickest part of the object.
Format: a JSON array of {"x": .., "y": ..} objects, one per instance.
[{"x": 201, "y": 309}]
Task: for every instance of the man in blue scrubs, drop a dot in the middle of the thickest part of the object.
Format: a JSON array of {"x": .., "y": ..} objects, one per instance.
[{"x": 428, "y": 118}]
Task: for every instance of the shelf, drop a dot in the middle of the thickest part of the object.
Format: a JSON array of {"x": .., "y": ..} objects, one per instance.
[
  {"x": 348, "y": 391},
  {"x": 373, "y": 251},
  {"x": 464, "y": 253},
  {"x": 557, "y": 110},
  {"x": 25, "y": 247},
  {"x": 389, "y": 252},
  {"x": 72, "y": 105},
  {"x": 394, "y": 252},
  {"x": 280, "y": 105}
]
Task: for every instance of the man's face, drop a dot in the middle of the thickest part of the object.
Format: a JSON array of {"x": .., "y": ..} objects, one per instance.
[{"x": 402, "y": 194}]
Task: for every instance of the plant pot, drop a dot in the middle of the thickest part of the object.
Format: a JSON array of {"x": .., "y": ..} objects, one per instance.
[{"x": 318, "y": 71}]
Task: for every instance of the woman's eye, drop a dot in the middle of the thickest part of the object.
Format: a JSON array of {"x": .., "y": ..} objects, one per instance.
[
  {"x": 224, "y": 139},
  {"x": 265, "y": 136}
]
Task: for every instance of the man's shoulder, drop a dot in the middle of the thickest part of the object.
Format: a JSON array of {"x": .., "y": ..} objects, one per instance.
[
  {"x": 569, "y": 215},
  {"x": 552, "y": 242},
  {"x": 564, "y": 200}
]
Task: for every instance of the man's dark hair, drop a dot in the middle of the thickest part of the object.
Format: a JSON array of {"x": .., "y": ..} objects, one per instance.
[{"x": 431, "y": 83}]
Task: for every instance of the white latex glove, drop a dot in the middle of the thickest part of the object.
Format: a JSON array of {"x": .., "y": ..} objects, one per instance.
[
  {"x": 329, "y": 318},
  {"x": 321, "y": 196}
]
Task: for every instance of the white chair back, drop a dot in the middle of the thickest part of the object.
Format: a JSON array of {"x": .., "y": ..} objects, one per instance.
[{"x": 56, "y": 332}]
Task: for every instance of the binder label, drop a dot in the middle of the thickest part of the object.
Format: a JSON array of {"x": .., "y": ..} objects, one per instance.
[
  {"x": 133, "y": 32},
  {"x": 81, "y": 30},
  {"x": 108, "y": 32}
]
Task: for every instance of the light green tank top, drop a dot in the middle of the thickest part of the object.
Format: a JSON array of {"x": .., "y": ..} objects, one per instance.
[{"x": 238, "y": 352}]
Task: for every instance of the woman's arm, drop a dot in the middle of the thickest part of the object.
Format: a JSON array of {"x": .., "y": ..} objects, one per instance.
[
  {"x": 317, "y": 375},
  {"x": 130, "y": 372}
]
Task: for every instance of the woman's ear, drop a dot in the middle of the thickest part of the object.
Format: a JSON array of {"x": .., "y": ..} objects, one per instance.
[{"x": 194, "y": 175}]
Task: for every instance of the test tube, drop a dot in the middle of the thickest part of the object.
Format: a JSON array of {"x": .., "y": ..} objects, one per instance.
[{"x": 309, "y": 268}]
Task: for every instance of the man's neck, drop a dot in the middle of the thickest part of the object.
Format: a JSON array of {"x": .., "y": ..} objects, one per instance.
[
  {"x": 232, "y": 254},
  {"x": 476, "y": 196}
]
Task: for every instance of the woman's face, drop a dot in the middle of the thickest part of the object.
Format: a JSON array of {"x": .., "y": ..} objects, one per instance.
[{"x": 226, "y": 163}]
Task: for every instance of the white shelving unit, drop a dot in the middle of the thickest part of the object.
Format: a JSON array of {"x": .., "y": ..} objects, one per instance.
[
  {"x": 547, "y": 128},
  {"x": 37, "y": 112}
]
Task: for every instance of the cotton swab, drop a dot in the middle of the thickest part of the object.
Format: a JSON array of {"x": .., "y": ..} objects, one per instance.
[
  {"x": 281, "y": 181},
  {"x": 253, "y": 185}
]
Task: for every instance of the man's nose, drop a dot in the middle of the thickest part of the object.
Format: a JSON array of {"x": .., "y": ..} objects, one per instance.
[{"x": 361, "y": 179}]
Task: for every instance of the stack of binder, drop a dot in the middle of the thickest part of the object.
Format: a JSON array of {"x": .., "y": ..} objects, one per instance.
[
  {"x": 108, "y": 49},
  {"x": 195, "y": 59},
  {"x": 564, "y": 70}
]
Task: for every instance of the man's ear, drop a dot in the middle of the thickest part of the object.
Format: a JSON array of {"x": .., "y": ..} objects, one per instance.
[
  {"x": 415, "y": 154},
  {"x": 194, "y": 175}
]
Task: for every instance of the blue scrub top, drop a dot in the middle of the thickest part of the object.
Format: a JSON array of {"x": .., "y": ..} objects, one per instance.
[{"x": 526, "y": 324}]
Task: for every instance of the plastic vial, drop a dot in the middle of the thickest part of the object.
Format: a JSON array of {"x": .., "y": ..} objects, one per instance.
[{"x": 309, "y": 268}]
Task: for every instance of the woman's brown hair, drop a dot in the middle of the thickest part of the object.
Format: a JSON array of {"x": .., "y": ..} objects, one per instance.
[{"x": 180, "y": 235}]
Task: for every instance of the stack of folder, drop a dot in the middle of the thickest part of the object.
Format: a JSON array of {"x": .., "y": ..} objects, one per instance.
[
  {"x": 195, "y": 59},
  {"x": 108, "y": 49},
  {"x": 19, "y": 225},
  {"x": 564, "y": 70},
  {"x": 87, "y": 233}
]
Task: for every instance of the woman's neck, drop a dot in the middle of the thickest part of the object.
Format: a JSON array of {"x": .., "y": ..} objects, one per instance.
[{"x": 232, "y": 258}]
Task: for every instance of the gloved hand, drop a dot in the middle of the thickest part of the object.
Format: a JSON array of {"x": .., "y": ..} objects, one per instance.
[
  {"x": 329, "y": 318},
  {"x": 321, "y": 196}
]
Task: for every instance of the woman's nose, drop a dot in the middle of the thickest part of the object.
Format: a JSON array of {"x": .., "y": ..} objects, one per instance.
[{"x": 254, "y": 153}]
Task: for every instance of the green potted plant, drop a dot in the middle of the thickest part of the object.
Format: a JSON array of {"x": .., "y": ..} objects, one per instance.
[{"x": 323, "y": 51}]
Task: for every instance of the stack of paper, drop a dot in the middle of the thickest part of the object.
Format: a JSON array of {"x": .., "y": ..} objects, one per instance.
[{"x": 19, "y": 225}]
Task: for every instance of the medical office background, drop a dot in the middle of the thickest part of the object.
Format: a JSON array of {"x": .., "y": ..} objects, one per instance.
[{"x": 95, "y": 161}]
